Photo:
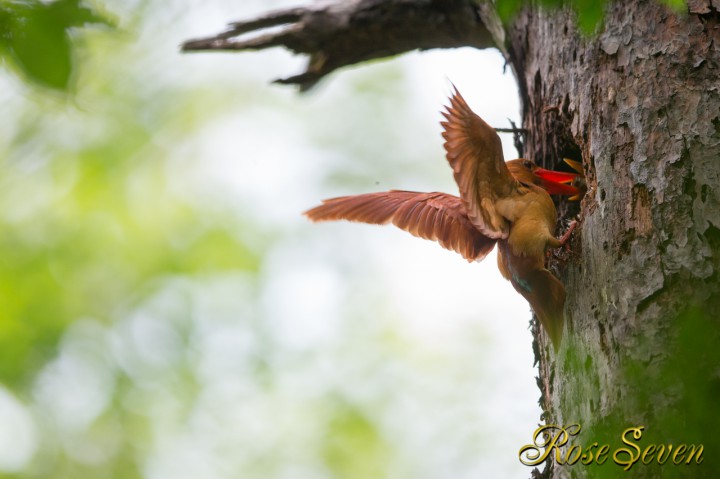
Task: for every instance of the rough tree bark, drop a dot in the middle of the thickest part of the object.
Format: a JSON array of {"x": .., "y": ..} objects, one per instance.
[{"x": 639, "y": 105}]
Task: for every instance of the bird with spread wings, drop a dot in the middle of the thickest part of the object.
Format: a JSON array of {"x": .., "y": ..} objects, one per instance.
[{"x": 503, "y": 203}]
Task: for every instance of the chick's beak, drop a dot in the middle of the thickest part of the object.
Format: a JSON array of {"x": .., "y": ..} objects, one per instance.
[{"x": 578, "y": 182}]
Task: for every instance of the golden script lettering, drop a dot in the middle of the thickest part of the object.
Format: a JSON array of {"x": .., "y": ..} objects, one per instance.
[{"x": 551, "y": 441}]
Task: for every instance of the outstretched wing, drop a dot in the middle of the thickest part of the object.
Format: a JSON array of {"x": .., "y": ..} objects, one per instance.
[
  {"x": 435, "y": 216},
  {"x": 475, "y": 154}
]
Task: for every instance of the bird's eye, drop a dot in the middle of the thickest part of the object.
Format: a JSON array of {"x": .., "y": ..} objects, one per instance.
[{"x": 527, "y": 164}]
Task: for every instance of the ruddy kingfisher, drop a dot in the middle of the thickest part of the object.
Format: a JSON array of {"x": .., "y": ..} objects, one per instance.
[{"x": 504, "y": 203}]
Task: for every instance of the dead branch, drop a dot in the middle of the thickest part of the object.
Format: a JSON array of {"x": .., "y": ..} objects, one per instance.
[{"x": 346, "y": 32}]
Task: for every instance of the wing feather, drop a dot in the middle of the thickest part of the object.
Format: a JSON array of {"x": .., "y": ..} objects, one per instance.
[
  {"x": 434, "y": 216},
  {"x": 474, "y": 152}
]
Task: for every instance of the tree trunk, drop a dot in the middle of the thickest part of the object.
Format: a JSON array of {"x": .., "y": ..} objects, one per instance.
[{"x": 639, "y": 105}]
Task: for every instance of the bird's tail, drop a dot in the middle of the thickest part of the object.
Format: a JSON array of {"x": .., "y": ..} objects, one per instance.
[{"x": 546, "y": 295}]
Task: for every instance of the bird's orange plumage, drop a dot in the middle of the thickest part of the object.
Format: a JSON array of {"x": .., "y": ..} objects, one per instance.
[{"x": 503, "y": 203}]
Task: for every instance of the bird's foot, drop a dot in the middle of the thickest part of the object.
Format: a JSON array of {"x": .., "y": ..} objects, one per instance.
[{"x": 564, "y": 238}]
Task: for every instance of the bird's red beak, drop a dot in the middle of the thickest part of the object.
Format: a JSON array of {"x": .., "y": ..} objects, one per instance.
[{"x": 557, "y": 182}]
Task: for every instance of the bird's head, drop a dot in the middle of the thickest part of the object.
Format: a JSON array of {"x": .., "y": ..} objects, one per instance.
[{"x": 554, "y": 182}]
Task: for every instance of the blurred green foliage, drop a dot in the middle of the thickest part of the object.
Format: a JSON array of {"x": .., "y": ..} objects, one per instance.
[
  {"x": 93, "y": 232},
  {"x": 88, "y": 222},
  {"x": 349, "y": 432},
  {"x": 35, "y": 37},
  {"x": 589, "y": 12},
  {"x": 135, "y": 336}
]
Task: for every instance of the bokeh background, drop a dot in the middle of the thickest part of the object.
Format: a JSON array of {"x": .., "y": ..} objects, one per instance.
[{"x": 166, "y": 311}]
